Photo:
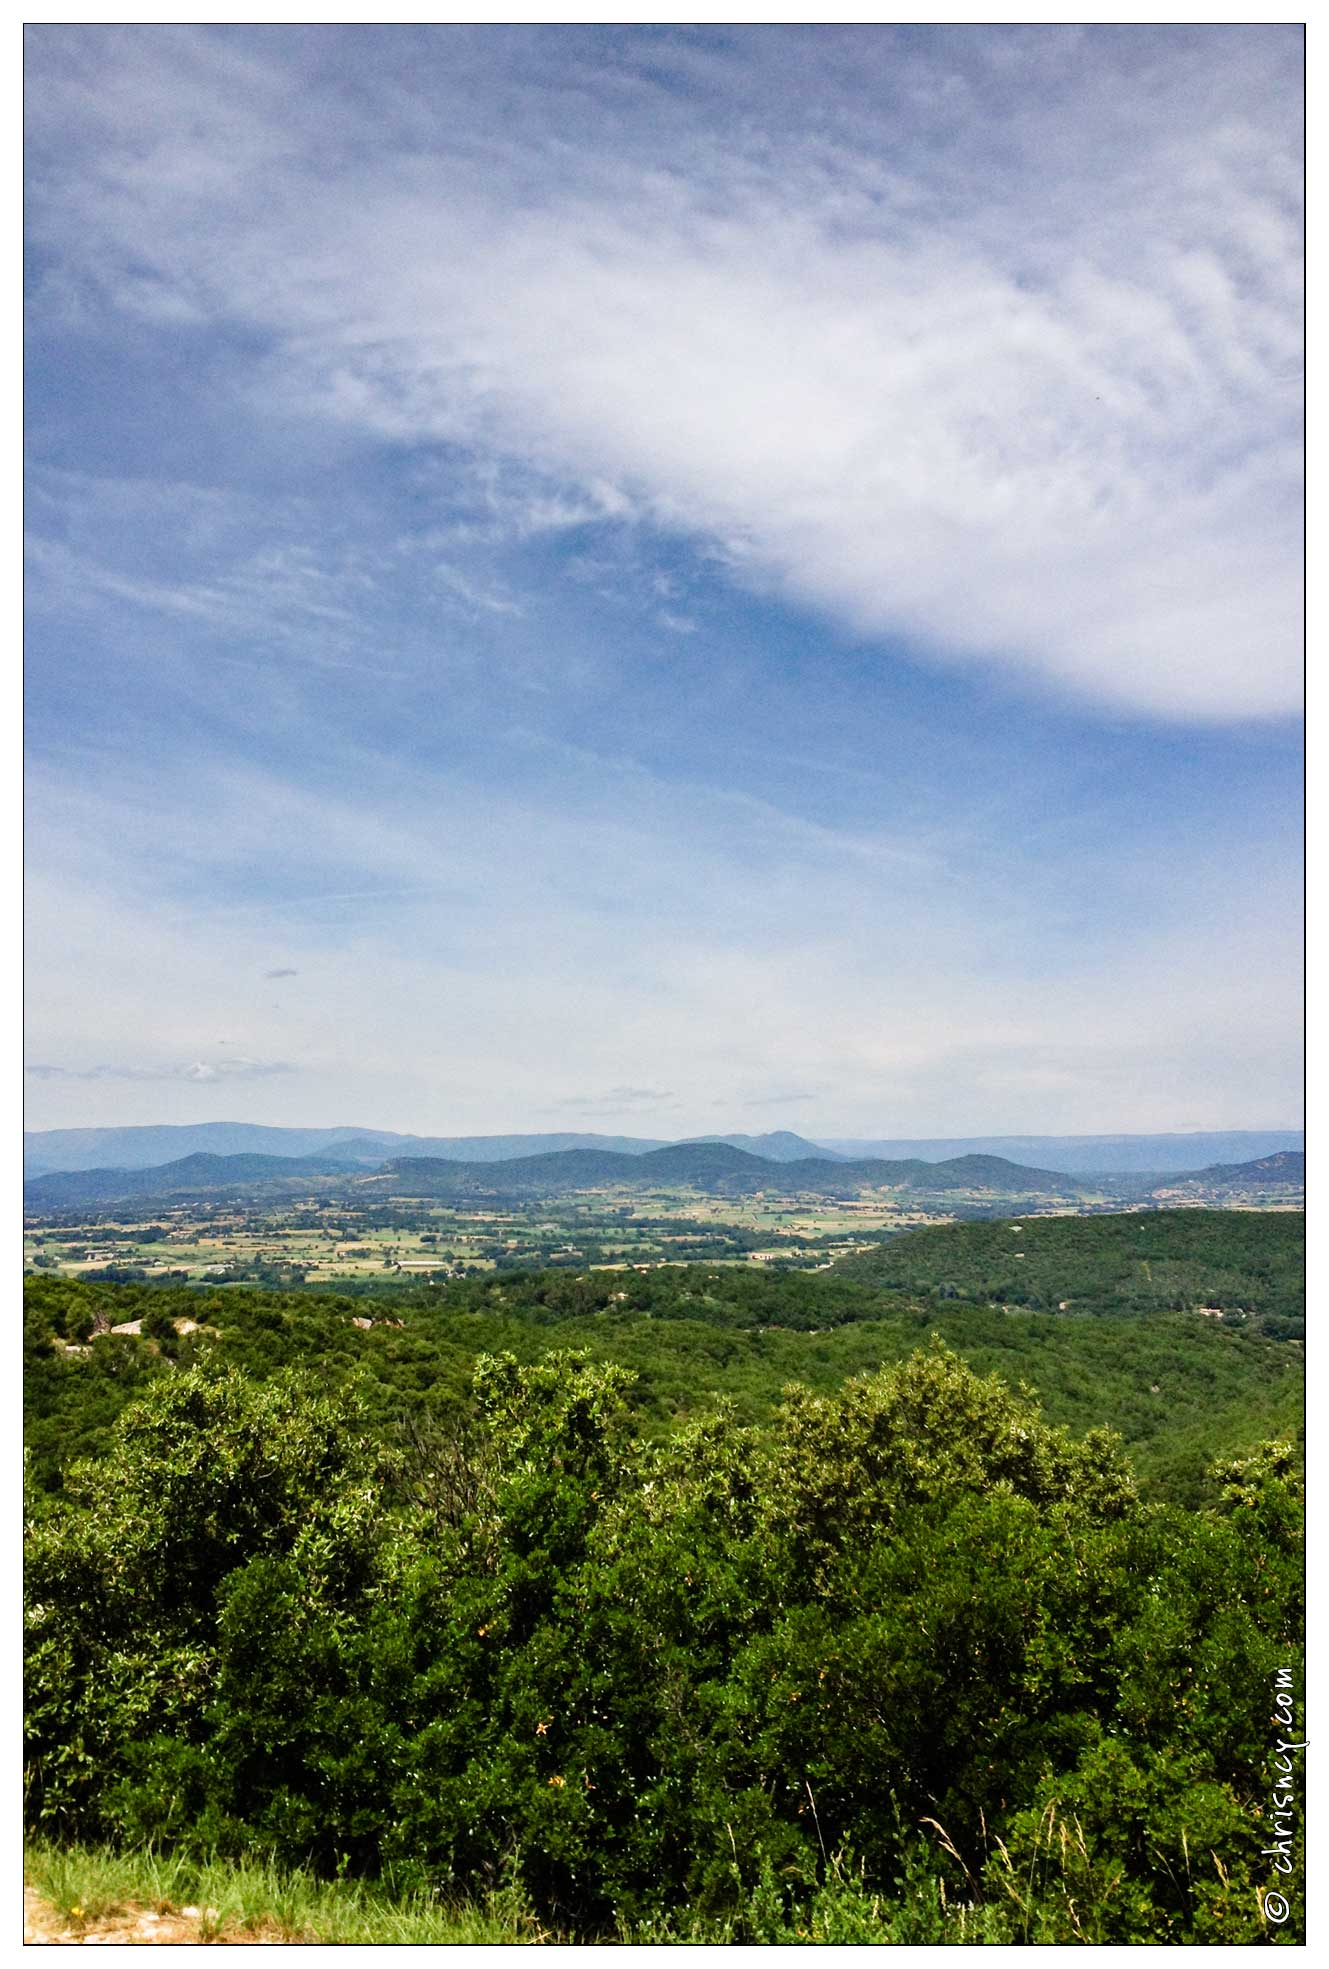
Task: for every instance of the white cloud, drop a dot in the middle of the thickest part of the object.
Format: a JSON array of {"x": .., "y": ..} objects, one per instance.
[
  {"x": 737, "y": 960},
  {"x": 261, "y": 588},
  {"x": 1028, "y": 401},
  {"x": 988, "y": 343},
  {"x": 481, "y": 600},
  {"x": 778, "y": 1100}
]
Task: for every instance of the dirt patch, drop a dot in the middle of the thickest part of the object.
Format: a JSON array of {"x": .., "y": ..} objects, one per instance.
[{"x": 131, "y": 1923}]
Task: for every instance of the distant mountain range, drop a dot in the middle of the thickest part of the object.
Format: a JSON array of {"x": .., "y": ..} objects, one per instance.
[
  {"x": 228, "y": 1175},
  {"x": 68, "y": 1149},
  {"x": 1288, "y": 1166},
  {"x": 147, "y": 1148},
  {"x": 50, "y": 1149},
  {"x": 779, "y": 1146},
  {"x": 1098, "y": 1155},
  {"x": 714, "y": 1166}
]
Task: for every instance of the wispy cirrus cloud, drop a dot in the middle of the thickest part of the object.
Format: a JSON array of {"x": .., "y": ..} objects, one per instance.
[
  {"x": 778, "y": 1100},
  {"x": 570, "y": 943},
  {"x": 734, "y": 562},
  {"x": 618, "y": 1100},
  {"x": 198, "y": 1071},
  {"x": 468, "y": 591},
  {"x": 990, "y": 342},
  {"x": 254, "y": 585}
]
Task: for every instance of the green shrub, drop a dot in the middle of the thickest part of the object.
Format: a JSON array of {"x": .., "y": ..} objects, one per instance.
[{"x": 667, "y": 1688}]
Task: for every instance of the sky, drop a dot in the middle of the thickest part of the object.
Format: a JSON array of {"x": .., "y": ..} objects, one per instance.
[{"x": 664, "y": 580}]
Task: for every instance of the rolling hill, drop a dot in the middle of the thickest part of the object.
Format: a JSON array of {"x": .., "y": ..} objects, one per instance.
[
  {"x": 715, "y": 1166},
  {"x": 1093, "y": 1155},
  {"x": 710, "y": 1166},
  {"x": 62, "y": 1150},
  {"x": 1245, "y": 1267},
  {"x": 190, "y": 1175},
  {"x": 1288, "y": 1166}
]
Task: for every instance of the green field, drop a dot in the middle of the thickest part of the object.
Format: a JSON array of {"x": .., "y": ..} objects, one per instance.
[{"x": 328, "y": 1242}]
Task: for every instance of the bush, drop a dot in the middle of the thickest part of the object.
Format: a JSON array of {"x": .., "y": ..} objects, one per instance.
[{"x": 667, "y": 1689}]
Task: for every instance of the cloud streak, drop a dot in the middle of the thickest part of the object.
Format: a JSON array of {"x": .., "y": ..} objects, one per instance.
[
  {"x": 619, "y": 1100},
  {"x": 200, "y": 1072}
]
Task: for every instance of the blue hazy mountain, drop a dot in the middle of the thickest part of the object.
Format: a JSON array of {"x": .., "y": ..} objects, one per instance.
[
  {"x": 717, "y": 1167},
  {"x": 714, "y": 1166},
  {"x": 67, "y": 1149},
  {"x": 46, "y": 1150},
  {"x": 1287, "y": 1166},
  {"x": 1081, "y": 1155},
  {"x": 199, "y": 1174},
  {"x": 779, "y": 1146}
]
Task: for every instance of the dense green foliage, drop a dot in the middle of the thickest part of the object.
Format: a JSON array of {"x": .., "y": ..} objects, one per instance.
[
  {"x": 1248, "y": 1264},
  {"x": 1182, "y": 1391},
  {"x": 608, "y": 1592},
  {"x": 907, "y": 1663}
]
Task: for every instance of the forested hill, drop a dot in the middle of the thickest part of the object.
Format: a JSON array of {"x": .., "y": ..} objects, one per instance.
[
  {"x": 611, "y": 1588},
  {"x": 710, "y": 1166},
  {"x": 1181, "y": 1388},
  {"x": 715, "y": 1167},
  {"x": 1288, "y": 1166},
  {"x": 780, "y": 1162},
  {"x": 1247, "y": 1266},
  {"x": 190, "y": 1175}
]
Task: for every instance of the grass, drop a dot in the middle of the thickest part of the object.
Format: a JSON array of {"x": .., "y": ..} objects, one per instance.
[
  {"x": 91, "y": 1888},
  {"x": 90, "y": 1885}
]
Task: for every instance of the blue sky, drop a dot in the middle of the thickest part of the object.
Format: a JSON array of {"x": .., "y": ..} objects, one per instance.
[{"x": 665, "y": 580}]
